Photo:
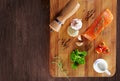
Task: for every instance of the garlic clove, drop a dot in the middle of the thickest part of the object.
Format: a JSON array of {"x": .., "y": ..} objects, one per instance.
[
  {"x": 79, "y": 38},
  {"x": 79, "y": 43}
]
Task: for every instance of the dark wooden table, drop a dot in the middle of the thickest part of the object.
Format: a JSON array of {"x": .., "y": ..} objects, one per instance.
[{"x": 24, "y": 42}]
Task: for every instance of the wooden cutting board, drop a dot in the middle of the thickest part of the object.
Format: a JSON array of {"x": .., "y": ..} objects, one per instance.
[{"x": 61, "y": 44}]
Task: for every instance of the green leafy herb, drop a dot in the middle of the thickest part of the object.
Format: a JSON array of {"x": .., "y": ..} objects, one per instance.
[
  {"x": 75, "y": 65},
  {"x": 77, "y": 58}
]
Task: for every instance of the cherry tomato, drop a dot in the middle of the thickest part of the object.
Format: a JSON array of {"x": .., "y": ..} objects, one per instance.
[
  {"x": 106, "y": 51},
  {"x": 99, "y": 50},
  {"x": 102, "y": 49},
  {"x": 102, "y": 44}
]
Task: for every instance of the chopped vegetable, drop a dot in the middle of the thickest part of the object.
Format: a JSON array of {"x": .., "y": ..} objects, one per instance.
[
  {"x": 98, "y": 25},
  {"x": 77, "y": 58},
  {"x": 102, "y": 49}
]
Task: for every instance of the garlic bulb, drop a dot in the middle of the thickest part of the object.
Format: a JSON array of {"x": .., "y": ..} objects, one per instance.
[
  {"x": 76, "y": 24},
  {"x": 73, "y": 29}
]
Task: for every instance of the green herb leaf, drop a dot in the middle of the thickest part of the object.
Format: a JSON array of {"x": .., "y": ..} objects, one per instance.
[
  {"x": 77, "y": 58},
  {"x": 74, "y": 66}
]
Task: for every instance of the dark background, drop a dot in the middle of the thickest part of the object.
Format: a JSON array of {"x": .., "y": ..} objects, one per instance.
[{"x": 24, "y": 42}]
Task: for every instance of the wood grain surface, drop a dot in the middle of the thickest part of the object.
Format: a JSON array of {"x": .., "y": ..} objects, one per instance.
[
  {"x": 24, "y": 42},
  {"x": 57, "y": 48}
]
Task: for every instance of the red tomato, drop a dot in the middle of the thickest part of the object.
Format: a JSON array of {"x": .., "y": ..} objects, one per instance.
[
  {"x": 99, "y": 50},
  {"x": 102, "y": 44},
  {"x": 106, "y": 50},
  {"x": 102, "y": 48}
]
